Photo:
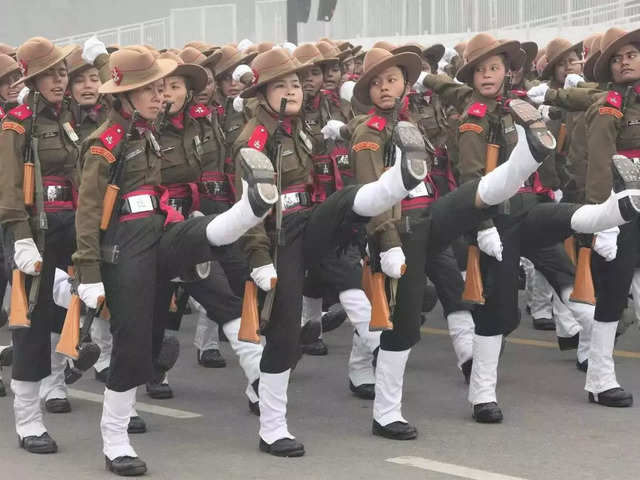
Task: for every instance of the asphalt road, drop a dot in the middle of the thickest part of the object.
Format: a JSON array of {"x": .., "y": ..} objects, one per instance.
[{"x": 550, "y": 431}]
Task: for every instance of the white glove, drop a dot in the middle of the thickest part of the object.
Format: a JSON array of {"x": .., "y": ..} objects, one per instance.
[
  {"x": 264, "y": 275},
  {"x": 23, "y": 95},
  {"x": 61, "y": 289},
  {"x": 419, "y": 85},
  {"x": 544, "y": 112},
  {"x": 606, "y": 244},
  {"x": 393, "y": 262},
  {"x": 557, "y": 195},
  {"x": 240, "y": 71},
  {"x": 92, "y": 48},
  {"x": 449, "y": 53},
  {"x": 244, "y": 44},
  {"x": 346, "y": 90},
  {"x": 290, "y": 47},
  {"x": 489, "y": 242},
  {"x": 89, "y": 293},
  {"x": 331, "y": 131},
  {"x": 26, "y": 256},
  {"x": 536, "y": 94},
  {"x": 238, "y": 104},
  {"x": 572, "y": 80}
]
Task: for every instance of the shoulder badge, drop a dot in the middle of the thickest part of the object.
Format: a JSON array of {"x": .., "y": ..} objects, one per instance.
[
  {"x": 614, "y": 99},
  {"x": 16, "y": 127},
  {"x": 478, "y": 110},
  {"x": 614, "y": 112},
  {"x": 112, "y": 136},
  {"x": 373, "y": 146},
  {"x": 21, "y": 112},
  {"x": 259, "y": 137},
  {"x": 377, "y": 123},
  {"x": 470, "y": 127},
  {"x": 199, "y": 110},
  {"x": 103, "y": 152}
]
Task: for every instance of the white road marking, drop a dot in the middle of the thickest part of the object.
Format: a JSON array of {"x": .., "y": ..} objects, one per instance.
[
  {"x": 450, "y": 469},
  {"x": 142, "y": 407}
]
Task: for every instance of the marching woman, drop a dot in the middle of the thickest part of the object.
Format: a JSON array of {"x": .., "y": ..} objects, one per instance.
[
  {"x": 426, "y": 226},
  {"x": 135, "y": 241},
  {"x": 308, "y": 232},
  {"x": 39, "y": 230}
]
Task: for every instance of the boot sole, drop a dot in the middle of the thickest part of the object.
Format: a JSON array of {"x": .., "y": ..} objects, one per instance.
[
  {"x": 529, "y": 117},
  {"x": 620, "y": 404},
  {"x": 414, "y": 154},
  {"x": 260, "y": 176}
]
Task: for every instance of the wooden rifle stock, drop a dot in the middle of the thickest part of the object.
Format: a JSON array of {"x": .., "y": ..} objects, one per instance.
[
  {"x": 29, "y": 184},
  {"x": 70, "y": 335},
  {"x": 374, "y": 288},
  {"x": 570, "y": 248},
  {"x": 19, "y": 307},
  {"x": 108, "y": 204},
  {"x": 583, "y": 291},
  {"x": 249, "y": 321},
  {"x": 562, "y": 136},
  {"x": 473, "y": 286}
]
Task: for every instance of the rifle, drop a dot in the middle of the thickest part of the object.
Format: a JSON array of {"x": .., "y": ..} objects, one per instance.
[
  {"x": 473, "y": 286},
  {"x": 113, "y": 188},
  {"x": 267, "y": 307},
  {"x": 583, "y": 291},
  {"x": 161, "y": 122}
]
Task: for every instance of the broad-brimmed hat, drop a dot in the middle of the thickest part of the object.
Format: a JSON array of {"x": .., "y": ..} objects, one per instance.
[
  {"x": 7, "y": 49},
  {"x": 264, "y": 46},
  {"x": 377, "y": 60},
  {"x": 329, "y": 51},
  {"x": 7, "y": 65},
  {"x": 39, "y": 54},
  {"x": 134, "y": 67},
  {"x": 195, "y": 73},
  {"x": 591, "y": 49},
  {"x": 460, "y": 48},
  {"x": 556, "y": 49},
  {"x": 230, "y": 58},
  {"x": 193, "y": 55},
  {"x": 388, "y": 46},
  {"x": 308, "y": 53},
  {"x": 408, "y": 47},
  {"x": 203, "y": 47},
  {"x": 270, "y": 66},
  {"x": 531, "y": 49},
  {"x": 483, "y": 46},
  {"x": 434, "y": 53},
  {"x": 75, "y": 63},
  {"x": 613, "y": 40}
]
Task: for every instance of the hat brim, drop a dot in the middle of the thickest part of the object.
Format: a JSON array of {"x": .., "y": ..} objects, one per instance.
[
  {"x": 548, "y": 70},
  {"x": 531, "y": 49},
  {"x": 212, "y": 59},
  {"x": 589, "y": 66},
  {"x": 196, "y": 74},
  {"x": 166, "y": 67},
  {"x": 408, "y": 48},
  {"x": 601, "y": 69},
  {"x": 434, "y": 53},
  {"x": 231, "y": 67},
  {"x": 410, "y": 62},
  {"x": 253, "y": 89},
  {"x": 64, "y": 53},
  {"x": 9, "y": 72},
  {"x": 511, "y": 49}
]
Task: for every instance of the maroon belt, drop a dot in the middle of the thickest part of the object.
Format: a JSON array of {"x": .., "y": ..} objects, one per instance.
[
  {"x": 59, "y": 194},
  {"x": 217, "y": 186}
]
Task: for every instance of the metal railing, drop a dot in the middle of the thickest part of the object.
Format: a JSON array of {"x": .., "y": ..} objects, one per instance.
[{"x": 151, "y": 32}]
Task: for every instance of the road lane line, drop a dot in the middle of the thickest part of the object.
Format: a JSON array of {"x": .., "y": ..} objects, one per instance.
[
  {"x": 141, "y": 407},
  {"x": 530, "y": 342},
  {"x": 450, "y": 469}
]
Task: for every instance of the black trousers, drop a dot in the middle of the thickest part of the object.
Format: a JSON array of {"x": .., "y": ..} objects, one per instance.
[
  {"x": 613, "y": 279},
  {"x": 442, "y": 269},
  {"x": 534, "y": 231},
  {"x": 32, "y": 346},
  {"x": 445, "y": 220},
  {"x": 310, "y": 235},
  {"x": 336, "y": 272},
  {"x": 150, "y": 256}
]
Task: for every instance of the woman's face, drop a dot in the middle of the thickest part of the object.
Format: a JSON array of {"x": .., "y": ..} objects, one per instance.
[
  {"x": 517, "y": 76},
  {"x": 85, "y": 85},
  {"x": 332, "y": 76},
  {"x": 147, "y": 100},
  {"x": 488, "y": 76},
  {"x": 625, "y": 65},
  {"x": 312, "y": 79},
  {"x": 52, "y": 83},
  {"x": 386, "y": 87},
  {"x": 230, "y": 88},
  {"x": 288, "y": 87},
  {"x": 569, "y": 63},
  {"x": 7, "y": 92},
  {"x": 205, "y": 95},
  {"x": 175, "y": 92},
  {"x": 357, "y": 66}
]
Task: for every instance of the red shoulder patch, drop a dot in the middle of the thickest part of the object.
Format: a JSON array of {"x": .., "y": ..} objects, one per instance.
[
  {"x": 112, "y": 136},
  {"x": 2, "y": 113},
  {"x": 377, "y": 123},
  {"x": 21, "y": 112},
  {"x": 614, "y": 99},
  {"x": 199, "y": 110},
  {"x": 478, "y": 110},
  {"x": 259, "y": 137}
]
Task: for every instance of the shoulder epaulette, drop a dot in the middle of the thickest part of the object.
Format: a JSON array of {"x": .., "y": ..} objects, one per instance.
[
  {"x": 15, "y": 126},
  {"x": 21, "y": 112},
  {"x": 259, "y": 137},
  {"x": 377, "y": 123},
  {"x": 103, "y": 152},
  {"x": 199, "y": 110},
  {"x": 614, "y": 99},
  {"x": 478, "y": 110},
  {"x": 112, "y": 136}
]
